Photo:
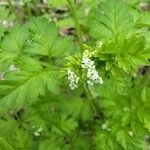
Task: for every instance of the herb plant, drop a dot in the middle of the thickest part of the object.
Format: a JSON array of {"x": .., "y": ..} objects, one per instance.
[{"x": 62, "y": 92}]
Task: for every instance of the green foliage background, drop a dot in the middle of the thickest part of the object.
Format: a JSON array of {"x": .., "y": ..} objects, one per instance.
[{"x": 38, "y": 110}]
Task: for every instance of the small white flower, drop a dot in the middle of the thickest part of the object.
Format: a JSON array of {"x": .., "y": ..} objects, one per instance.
[
  {"x": 12, "y": 67},
  {"x": 92, "y": 74},
  {"x": 130, "y": 133},
  {"x": 87, "y": 11},
  {"x": 89, "y": 82},
  {"x": 73, "y": 79},
  {"x": 5, "y": 23},
  {"x": 36, "y": 133},
  {"x": 87, "y": 63},
  {"x": 105, "y": 127}
]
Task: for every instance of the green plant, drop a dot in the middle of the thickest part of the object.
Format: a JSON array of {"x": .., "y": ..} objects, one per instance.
[{"x": 60, "y": 93}]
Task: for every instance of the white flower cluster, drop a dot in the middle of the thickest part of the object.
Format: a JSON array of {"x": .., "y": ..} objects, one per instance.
[
  {"x": 92, "y": 74},
  {"x": 105, "y": 127},
  {"x": 73, "y": 79}
]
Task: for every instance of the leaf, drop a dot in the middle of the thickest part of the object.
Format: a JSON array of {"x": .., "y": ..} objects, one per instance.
[
  {"x": 78, "y": 108},
  {"x": 45, "y": 116},
  {"x": 144, "y": 21},
  {"x": 54, "y": 143},
  {"x": 122, "y": 138},
  {"x": 109, "y": 65},
  {"x": 132, "y": 53},
  {"x": 6, "y": 19},
  {"x": 46, "y": 39},
  {"x": 22, "y": 140},
  {"x": 5, "y": 145},
  {"x": 68, "y": 125},
  {"x": 105, "y": 140},
  {"x": 133, "y": 45},
  {"x": 8, "y": 126},
  {"x": 82, "y": 143},
  {"x": 26, "y": 63},
  {"x": 13, "y": 45},
  {"x": 16, "y": 38},
  {"x": 21, "y": 88},
  {"x": 5, "y": 14},
  {"x": 112, "y": 19}
]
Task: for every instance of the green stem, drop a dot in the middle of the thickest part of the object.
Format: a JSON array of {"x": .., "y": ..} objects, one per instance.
[
  {"x": 14, "y": 11},
  {"x": 77, "y": 24},
  {"x": 79, "y": 35},
  {"x": 29, "y": 10},
  {"x": 93, "y": 101}
]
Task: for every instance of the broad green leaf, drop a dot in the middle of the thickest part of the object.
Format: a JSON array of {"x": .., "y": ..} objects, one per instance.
[
  {"x": 24, "y": 88},
  {"x": 16, "y": 40},
  {"x": 13, "y": 45},
  {"x": 46, "y": 39},
  {"x": 109, "y": 21},
  {"x": 28, "y": 64}
]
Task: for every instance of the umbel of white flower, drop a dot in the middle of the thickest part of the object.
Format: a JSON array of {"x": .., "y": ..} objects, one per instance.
[
  {"x": 92, "y": 74},
  {"x": 73, "y": 79}
]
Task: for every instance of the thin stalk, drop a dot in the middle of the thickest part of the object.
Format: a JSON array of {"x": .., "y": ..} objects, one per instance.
[
  {"x": 76, "y": 20},
  {"x": 29, "y": 10},
  {"x": 93, "y": 101},
  {"x": 13, "y": 10}
]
